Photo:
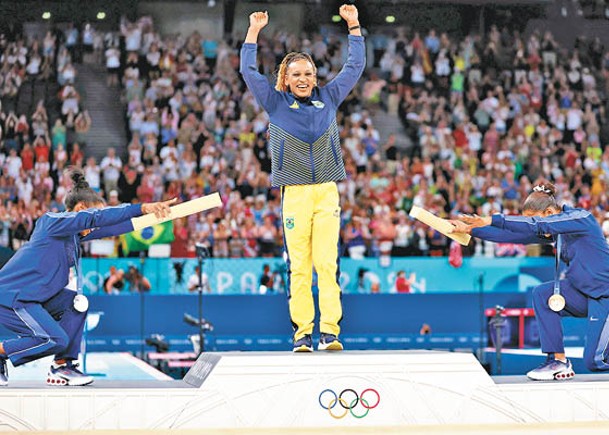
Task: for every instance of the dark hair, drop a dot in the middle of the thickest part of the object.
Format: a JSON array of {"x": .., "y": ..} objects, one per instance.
[
  {"x": 80, "y": 191},
  {"x": 541, "y": 198}
]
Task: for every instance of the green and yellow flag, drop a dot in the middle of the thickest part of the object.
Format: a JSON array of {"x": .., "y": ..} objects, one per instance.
[{"x": 141, "y": 240}]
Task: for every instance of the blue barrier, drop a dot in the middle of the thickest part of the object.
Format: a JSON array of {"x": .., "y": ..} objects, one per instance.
[
  {"x": 241, "y": 276},
  {"x": 253, "y": 322}
]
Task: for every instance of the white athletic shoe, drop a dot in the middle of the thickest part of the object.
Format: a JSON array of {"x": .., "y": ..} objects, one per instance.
[
  {"x": 67, "y": 374},
  {"x": 552, "y": 370}
]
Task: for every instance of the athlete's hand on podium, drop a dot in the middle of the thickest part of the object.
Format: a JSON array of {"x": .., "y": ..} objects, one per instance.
[{"x": 160, "y": 209}]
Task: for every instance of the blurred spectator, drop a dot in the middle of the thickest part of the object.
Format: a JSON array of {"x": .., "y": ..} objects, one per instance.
[
  {"x": 111, "y": 166},
  {"x": 267, "y": 237},
  {"x": 113, "y": 198},
  {"x": 82, "y": 124},
  {"x": 115, "y": 282},
  {"x": 195, "y": 280},
  {"x": 128, "y": 183},
  {"x": 138, "y": 283},
  {"x": 113, "y": 65},
  {"x": 93, "y": 174},
  {"x": 402, "y": 285},
  {"x": 266, "y": 280}
]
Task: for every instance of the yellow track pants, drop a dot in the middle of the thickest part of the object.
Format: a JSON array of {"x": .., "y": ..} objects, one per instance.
[{"x": 311, "y": 225}]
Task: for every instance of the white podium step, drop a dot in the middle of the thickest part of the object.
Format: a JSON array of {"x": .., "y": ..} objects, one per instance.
[{"x": 282, "y": 390}]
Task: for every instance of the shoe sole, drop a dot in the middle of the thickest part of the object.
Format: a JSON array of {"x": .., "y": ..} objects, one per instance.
[
  {"x": 564, "y": 376},
  {"x": 333, "y": 346},
  {"x": 57, "y": 381},
  {"x": 560, "y": 376},
  {"x": 303, "y": 349}
]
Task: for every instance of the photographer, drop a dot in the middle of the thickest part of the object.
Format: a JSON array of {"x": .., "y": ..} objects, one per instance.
[{"x": 137, "y": 282}]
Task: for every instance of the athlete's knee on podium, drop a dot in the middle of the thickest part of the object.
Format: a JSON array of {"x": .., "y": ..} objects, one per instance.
[
  {"x": 594, "y": 364},
  {"x": 590, "y": 363}
]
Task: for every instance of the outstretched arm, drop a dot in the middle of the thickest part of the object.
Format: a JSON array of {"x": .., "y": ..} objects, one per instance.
[
  {"x": 481, "y": 228},
  {"x": 67, "y": 223},
  {"x": 111, "y": 231},
  {"x": 494, "y": 234},
  {"x": 575, "y": 222},
  {"x": 258, "y": 20},
  {"x": 346, "y": 79},
  {"x": 351, "y": 16},
  {"x": 256, "y": 82}
]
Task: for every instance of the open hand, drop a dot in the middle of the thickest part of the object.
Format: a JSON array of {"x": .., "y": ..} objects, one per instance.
[
  {"x": 258, "y": 20},
  {"x": 476, "y": 221},
  {"x": 349, "y": 14},
  {"x": 460, "y": 227},
  {"x": 160, "y": 209}
]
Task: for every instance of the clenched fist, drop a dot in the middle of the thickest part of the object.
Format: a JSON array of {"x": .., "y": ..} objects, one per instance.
[
  {"x": 258, "y": 20},
  {"x": 349, "y": 14}
]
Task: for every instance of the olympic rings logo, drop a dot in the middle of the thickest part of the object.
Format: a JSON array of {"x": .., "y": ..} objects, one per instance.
[{"x": 348, "y": 405}]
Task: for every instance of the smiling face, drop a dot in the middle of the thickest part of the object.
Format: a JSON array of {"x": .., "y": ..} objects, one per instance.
[{"x": 300, "y": 78}]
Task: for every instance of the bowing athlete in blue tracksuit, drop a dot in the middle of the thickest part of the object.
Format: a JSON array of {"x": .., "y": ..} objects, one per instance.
[
  {"x": 34, "y": 301},
  {"x": 583, "y": 248}
]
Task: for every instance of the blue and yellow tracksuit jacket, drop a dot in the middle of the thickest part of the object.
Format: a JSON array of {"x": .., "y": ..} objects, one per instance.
[{"x": 304, "y": 141}]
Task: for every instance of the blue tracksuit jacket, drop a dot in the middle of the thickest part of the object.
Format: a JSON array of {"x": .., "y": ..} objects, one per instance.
[
  {"x": 40, "y": 269},
  {"x": 584, "y": 248},
  {"x": 304, "y": 137}
]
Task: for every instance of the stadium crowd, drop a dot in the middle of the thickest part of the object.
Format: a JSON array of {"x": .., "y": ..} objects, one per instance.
[
  {"x": 36, "y": 147},
  {"x": 487, "y": 116}
]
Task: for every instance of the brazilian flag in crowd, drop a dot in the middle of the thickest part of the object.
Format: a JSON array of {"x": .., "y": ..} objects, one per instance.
[{"x": 141, "y": 240}]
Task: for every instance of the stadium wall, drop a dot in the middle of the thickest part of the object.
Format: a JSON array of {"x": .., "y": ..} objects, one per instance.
[
  {"x": 241, "y": 276},
  {"x": 283, "y": 16},
  {"x": 185, "y": 17}
]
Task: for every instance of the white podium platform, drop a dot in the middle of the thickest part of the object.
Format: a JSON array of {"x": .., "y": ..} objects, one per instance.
[{"x": 282, "y": 390}]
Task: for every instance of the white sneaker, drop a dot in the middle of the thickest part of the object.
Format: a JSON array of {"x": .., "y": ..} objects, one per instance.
[
  {"x": 67, "y": 374},
  {"x": 552, "y": 370}
]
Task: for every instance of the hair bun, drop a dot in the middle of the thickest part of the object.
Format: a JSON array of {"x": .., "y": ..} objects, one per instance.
[
  {"x": 78, "y": 178},
  {"x": 547, "y": 188}
]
